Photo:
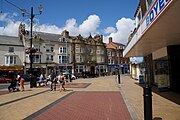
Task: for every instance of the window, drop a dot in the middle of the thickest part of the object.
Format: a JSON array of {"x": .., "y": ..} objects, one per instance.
[
  {"x": 79, "y": 58},
  {"x": 149, "y": 2},
  {"x": 63, "y": 59},
  {"x": 49, "y": 48},
  {"x": 37, "y": 47},
  {"x": 112, "y": 53},
  {"x": 11, "y": 49},
  {"x": 97, "y": 51},
  {"x": 100, "y": 59},
  {"x": 62, "y": 40},
  {"x": 110, "y": 61},
  {"x": 80, "y": 68},
  {"x": 10, "y": 60},
  {"x": 109, "y": 53},
  {"x": 139, "y": 16},
  {"x": 37, "y": 59},
  {"x": 91, "y": 50},
  {"x": 49, "y": 58},
  {"x": 79, "y": 50},
  {"x": 62, "y": 49}
]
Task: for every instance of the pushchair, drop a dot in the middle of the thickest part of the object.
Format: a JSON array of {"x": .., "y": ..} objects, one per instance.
[{"x": 14, "y": 86}]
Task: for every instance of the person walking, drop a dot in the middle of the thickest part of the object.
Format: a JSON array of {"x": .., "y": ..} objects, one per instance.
[
  {"x": 21, "y": 82},
  {"x": 41, "y": 80},
  {"x": 61, "y": 79},
  {"x": 53, "y": 82}
]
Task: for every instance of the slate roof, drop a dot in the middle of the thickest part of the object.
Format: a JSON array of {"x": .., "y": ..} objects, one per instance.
[
  {"x": 10, "y": 40},
  {"x": 46, "y": 36}
]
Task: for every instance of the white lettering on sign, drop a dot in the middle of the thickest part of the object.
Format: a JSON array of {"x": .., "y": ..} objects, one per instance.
[{"x": 155, "y": 10}]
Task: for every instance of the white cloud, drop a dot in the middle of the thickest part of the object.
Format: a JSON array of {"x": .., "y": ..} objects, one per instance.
[
  {"x": 89, "y": 26},
  {"x": 11, "y": 27},
  {"x": 124, "y": 27},
  {"x": 109, "y": 30}
]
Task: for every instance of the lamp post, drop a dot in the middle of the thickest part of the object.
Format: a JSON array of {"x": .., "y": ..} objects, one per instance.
[{"x": 31, "y": 49}]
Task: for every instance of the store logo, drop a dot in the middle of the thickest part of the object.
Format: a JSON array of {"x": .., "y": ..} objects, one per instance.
[{"x": 158, "y": 6}]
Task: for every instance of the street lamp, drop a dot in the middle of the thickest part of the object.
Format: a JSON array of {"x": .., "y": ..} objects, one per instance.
[{"x": 31, "y": 50}]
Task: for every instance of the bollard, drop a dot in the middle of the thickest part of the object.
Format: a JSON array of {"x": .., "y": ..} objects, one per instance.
[
  {"x": 119, "y": 79},
  {"x": 147, "y": 102}
]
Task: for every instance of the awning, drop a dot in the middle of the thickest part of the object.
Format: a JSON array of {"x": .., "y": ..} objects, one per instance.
[{"x": 164, "y": 31}]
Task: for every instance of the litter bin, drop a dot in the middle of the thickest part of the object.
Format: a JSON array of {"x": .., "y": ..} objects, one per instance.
[{"x": 141, "y": 80}]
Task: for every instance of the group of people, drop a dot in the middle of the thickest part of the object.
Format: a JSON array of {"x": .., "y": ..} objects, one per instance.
[
  {"x": 55, "y": 79},
  {"x": 14, "y": 86}
]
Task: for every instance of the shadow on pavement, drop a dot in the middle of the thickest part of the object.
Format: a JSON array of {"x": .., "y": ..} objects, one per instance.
[{"x": 168, "y": 94}]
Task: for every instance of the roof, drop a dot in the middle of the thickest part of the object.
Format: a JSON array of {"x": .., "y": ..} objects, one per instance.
[
  {"x": 113, "y": 45},
  {"x": 47, "y": 36},
  {"x": 9, "y": 40}
]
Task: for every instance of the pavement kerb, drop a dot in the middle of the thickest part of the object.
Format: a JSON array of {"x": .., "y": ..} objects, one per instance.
[{"x": 128, "y": 105}]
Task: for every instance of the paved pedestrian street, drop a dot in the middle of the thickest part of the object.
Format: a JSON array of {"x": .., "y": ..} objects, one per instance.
[{"x": 88, "y": 99}]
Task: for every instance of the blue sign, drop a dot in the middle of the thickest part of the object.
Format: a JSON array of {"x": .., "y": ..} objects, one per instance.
[
  {"x": 158, "y": 6},
  {"x": 63, "y": 67},
  {"x": 113, "y": 66}
]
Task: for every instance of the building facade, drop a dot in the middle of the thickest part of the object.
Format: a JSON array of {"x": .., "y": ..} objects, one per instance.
[
  {"x": 156, "y": 38},
  {"x": 11, "y": 56},
  {"x": 61, "y": 52},
  {"x": 116, "y": 61}
]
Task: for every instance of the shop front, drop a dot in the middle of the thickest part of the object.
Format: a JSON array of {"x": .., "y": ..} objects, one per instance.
[{"x": 11, "y": 71}]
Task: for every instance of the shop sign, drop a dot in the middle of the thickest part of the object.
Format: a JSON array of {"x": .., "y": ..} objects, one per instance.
[
  {"x": 11, "y": 67},
  {"x": 162, "y": 81},
  {"x": 157, "y": 8}
]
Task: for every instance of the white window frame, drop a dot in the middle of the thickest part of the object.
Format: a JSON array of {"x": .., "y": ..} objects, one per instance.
[
  {"x": 79, "y": 58},
  {"x": 37, "y": 59},
  {"x": 37, "y": 47},
  {"x": 50, "y": 58},
  {"x": 49, "y": 48},
  {"x": 10, "y": 60},
  {"x": 63, "y": 59},
  {"x": 63, "y": 50}
]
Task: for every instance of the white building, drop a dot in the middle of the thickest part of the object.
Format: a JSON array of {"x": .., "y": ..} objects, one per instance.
[{"x": 157, "y": 39}]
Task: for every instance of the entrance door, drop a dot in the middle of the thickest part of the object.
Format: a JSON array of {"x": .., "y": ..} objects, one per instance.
[{"x": 92, "y": 69}]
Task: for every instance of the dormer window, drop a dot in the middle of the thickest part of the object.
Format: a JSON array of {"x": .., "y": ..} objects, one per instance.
[
  {"x": 62, "y": 39},
  {"x": 11, "y": 49}
]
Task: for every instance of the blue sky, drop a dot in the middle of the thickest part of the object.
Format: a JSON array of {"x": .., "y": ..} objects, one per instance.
[{"x": 111, "y": 18}]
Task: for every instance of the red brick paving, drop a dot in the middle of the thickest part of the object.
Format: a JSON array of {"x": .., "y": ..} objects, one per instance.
[
  {"x": 74, "y": 85},
  {"x": 4, "y": 92},
  {"x": 88, "y": 106}
]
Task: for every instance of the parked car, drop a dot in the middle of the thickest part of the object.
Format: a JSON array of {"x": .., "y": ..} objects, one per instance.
[
  {"x": 5, "y": 79},
  {"x": 73, "y": 77}
]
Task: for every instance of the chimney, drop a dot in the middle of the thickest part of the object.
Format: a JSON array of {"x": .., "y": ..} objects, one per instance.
[
  {"x": 21, "y": 31},
  {"x": 110, "y": 39}
]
